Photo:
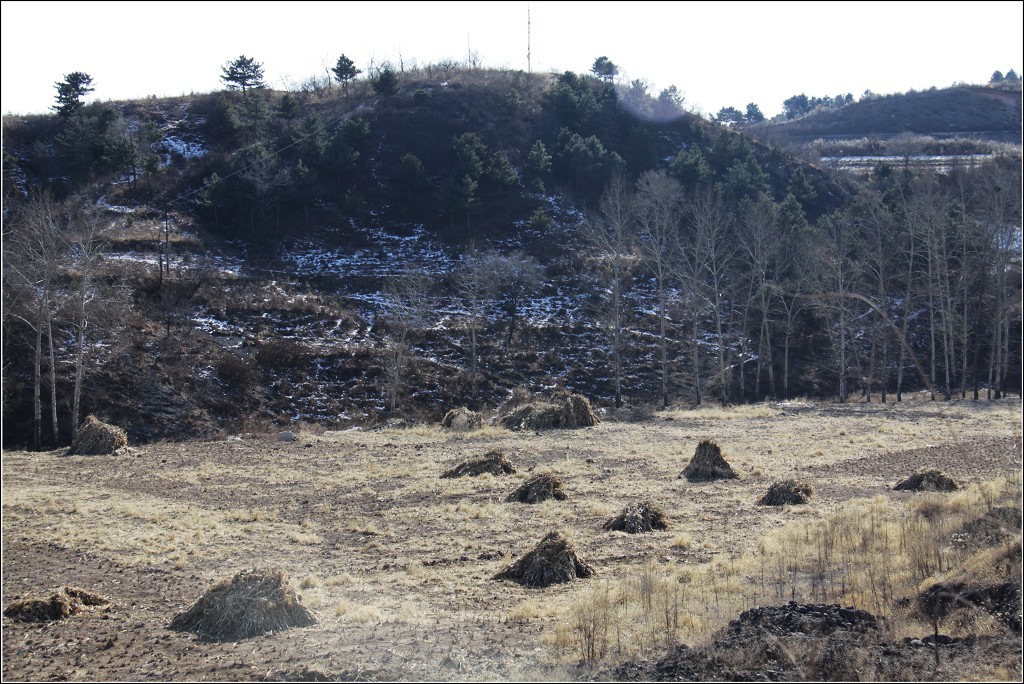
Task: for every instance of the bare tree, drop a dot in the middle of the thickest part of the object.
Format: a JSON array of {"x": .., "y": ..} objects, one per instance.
[
  {"x": 474, "y": 281},
  {"x": 611, "y": 238},
  {"x": 714, "y": 247},
  {"x": 409, "y": 308},
  {"x": 34, "y": 247},
  {"x": 517, "y": 276},
  {"x": 658, "y": 214}
]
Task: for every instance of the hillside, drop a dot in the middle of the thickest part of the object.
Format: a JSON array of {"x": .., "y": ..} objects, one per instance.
[
  {"x": 978, "y": 112},
  {"x": 382, "y": 253}
]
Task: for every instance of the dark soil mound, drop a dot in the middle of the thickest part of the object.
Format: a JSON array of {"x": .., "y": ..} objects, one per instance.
[
  {"x": 569, "y": 411},
  {"x": 995, "y": 527},
  {"x": 641, "y": 516},
  {"x": 707, "y": 464},
  {"x": 63, "y": 603},
  {"x": 251, "y": 603},
  {"x": 553, "y": 561},
  {"x": 796, "y": 618},
  {"x": 946, "y": 598},
  {"x": 462, "y": 420},
  {"x": 539, "y": 488},
  {"x": 928, "y": 481},
  {"x": 493, "y": 462},
  {"x": 95, "y": 437},
  {"x": 788, "y": 492}
]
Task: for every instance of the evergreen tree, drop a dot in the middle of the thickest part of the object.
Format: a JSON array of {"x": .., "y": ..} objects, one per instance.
[
  {"x": 70, "y": 92},
  {"x": 244, "y": 74},
  {"x": 385, "y": 81},
  {"x": 754, "y": 114},
  {"x": 604, "y": 69},
  {"x": 345, "y": 71}
]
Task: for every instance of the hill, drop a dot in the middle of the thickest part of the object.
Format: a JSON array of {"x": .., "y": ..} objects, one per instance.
[
  {"x": 976, "y": 112},
  {"x": 459, "y": 236}
]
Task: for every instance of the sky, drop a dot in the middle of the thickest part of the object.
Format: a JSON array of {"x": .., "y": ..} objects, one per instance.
[{"x": 717, "y": 54}]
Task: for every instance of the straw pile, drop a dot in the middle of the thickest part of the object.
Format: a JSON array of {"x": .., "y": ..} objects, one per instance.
[
  {"x": 539, "y": 488},
  {"x": 788, "y": 492},
  {"x": 707, "y": 464},
  {"x": 95, "y": 437},
  {"x": 553, "y": 561},
  {"x": 63, "y": 603},
  {"x": 637, "y": 517},
  {"x": 462, "y": 420},
  {"x": 570, "y": 411},
  {"x": 494, "y": 462},
  {"x": 251, "y": 603}
]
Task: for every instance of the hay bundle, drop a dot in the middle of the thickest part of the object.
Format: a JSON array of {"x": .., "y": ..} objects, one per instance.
[
  {"x": 462, "y": 420},
  {"x": 95, "y": 437},
  {"x": 494, "y": 462},
  {"x": 539, "y": 488},
  {"x": 638, "y": 517},
  {"x": 552, "y": 561},
  {"x": 63, "y": 603},
  {"x": 788, "y": 492},
  {"x": 570, "y": 411},
  {"x": 707, "y": 464},
  {"x": 928, "y": 481},
  {"x": 251, "y": 603}
]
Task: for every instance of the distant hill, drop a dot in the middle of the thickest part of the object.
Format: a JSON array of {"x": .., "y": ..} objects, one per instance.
[{"x": 967, "y": 111}]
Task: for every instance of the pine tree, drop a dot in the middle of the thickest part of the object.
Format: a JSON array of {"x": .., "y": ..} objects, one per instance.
[
  {"x": 70, "y": 92},
  {"x": 244, "y": 74}
]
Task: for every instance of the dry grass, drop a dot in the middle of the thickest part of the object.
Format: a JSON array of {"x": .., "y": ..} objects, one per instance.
[{"x": 366, "y": 514}]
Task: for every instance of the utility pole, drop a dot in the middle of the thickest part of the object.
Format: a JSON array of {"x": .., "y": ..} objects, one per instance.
[{"x": 528, "y": 69}]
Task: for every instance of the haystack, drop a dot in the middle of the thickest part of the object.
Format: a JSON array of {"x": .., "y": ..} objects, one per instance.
[
  {"x": 641, "y": 516},
  {"x": 928, "y": 481},
  {"x": 63, "y": 603},
  {"x": 568, "y": 411},
  {"x": 539, "y": 488},
  {"x": 251, "y": 603},
  {"x": 462, "y": 420},
  {"x": 788, "y": 492},
  {"x": 95, "y": 437},
  {"x": 494, "y": 462},
  {"x": 707, "y": 464},
  {"x": 553, "y": 561}
]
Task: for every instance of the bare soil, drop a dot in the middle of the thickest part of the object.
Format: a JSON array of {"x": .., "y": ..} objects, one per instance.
[{"x": 397, "y": 563}]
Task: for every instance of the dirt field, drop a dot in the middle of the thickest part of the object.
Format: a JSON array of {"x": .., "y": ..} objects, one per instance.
[{"x": 397, "y": 562}]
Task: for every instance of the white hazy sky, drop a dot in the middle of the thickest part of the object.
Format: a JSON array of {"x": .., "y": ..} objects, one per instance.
[{"x": 717, "y": 53}]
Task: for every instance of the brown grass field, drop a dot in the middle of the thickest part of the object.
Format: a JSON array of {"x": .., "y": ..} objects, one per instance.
[{"x": 397, "y": 563}]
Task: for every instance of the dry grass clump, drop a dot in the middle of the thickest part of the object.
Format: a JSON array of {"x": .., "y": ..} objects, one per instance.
[
  {"x": 570, "y": 411},
  {"x": 640, "y": 516},
  {"x": 539, "y": 488},
  {"x": 708, "y": 464},
  {"x": 553, "y": 561},
  {"x": 251, "y": 603},
  {"x": 928, "y": 481},
  {"x": 788, "y": 492},
  {"x": 63, "y": 603},
  {"x": 462, "y": 419},
  {"x": 494, "y": 462},
  {"x": 95, "y": 437}
]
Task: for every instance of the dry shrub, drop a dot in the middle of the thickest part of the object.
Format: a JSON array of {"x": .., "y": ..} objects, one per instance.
[
  {"x": 95, "y": 437},
  {"x": 462, "y": 420},
  {"x": 494, "y": 462},
  {"x": 251, "y": 603},
  {"x": 928, "y": 481},
  {"x": 539, "y": 488},
  {"x": 63, "y": 603},
  {"x": 788, "y": 492},
  {"x": 708, "y": 464},
  {"x": 641, "y": 516},
  {"x": 552, "y": 561},
  {"x": 569, "y": 411}
]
